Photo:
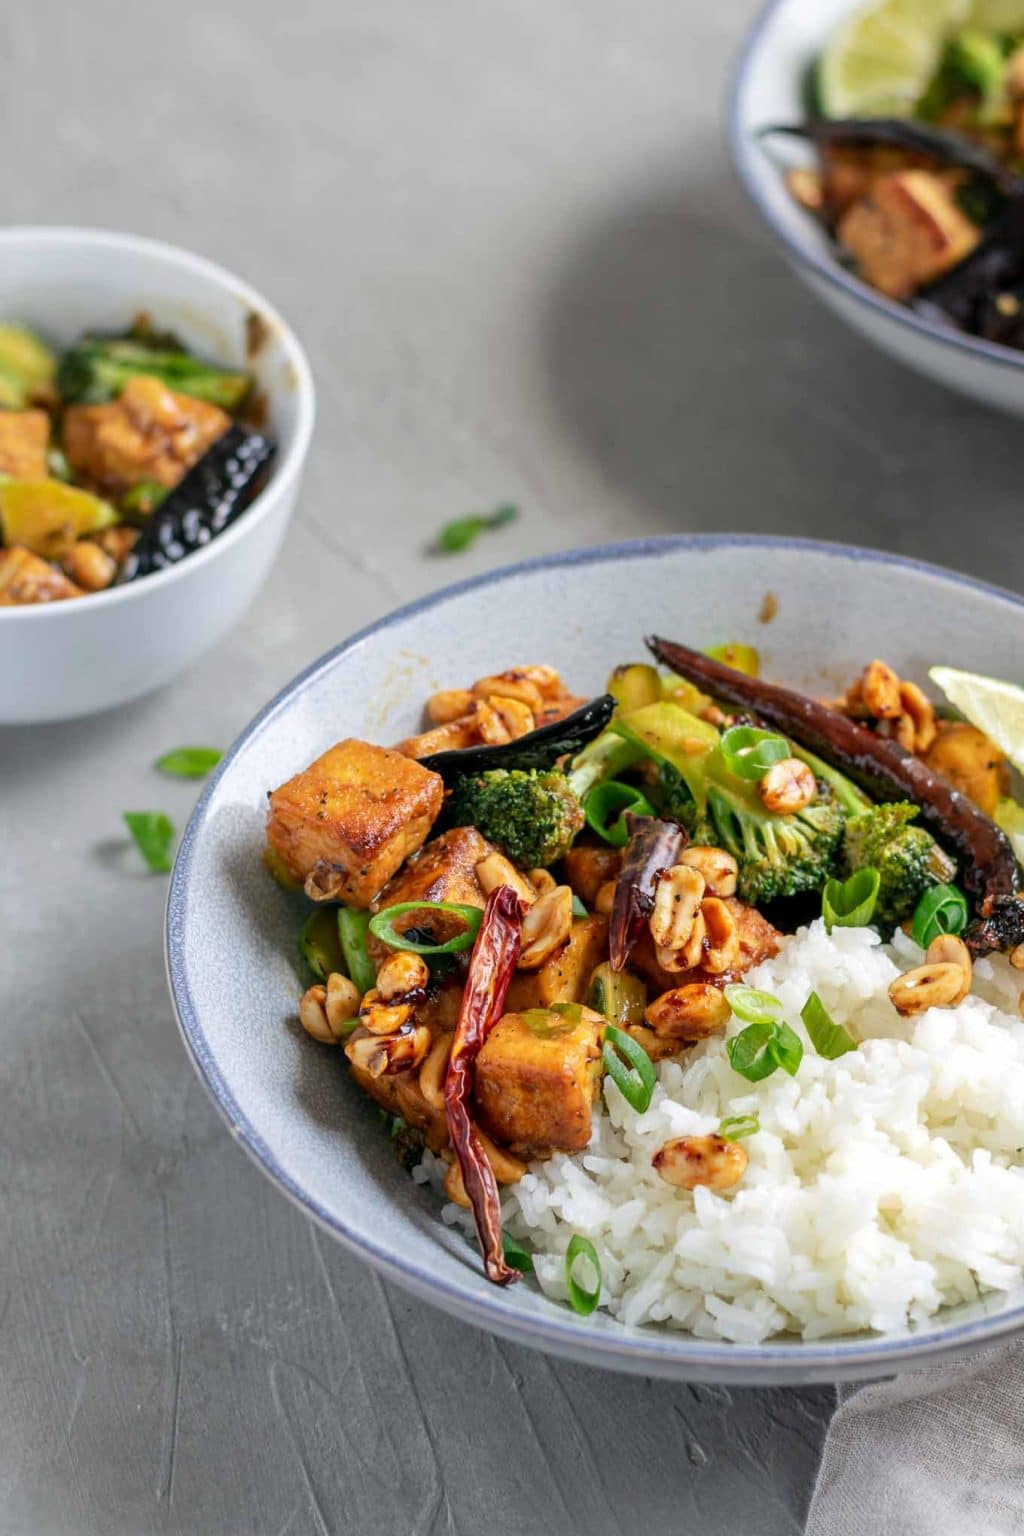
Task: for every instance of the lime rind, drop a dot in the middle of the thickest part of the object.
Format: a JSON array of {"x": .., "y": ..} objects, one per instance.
[{"x": 881, "y": 59}]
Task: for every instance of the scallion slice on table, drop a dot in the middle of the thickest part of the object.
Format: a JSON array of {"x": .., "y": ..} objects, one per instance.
[
  {"x": 582, "y": 1299},
  {"x": 629, "y": 1067},
  {"x": 382, "y": 926},
  {"x": 189, "y": 762},
  {"x": 735, "y": 1127},
  {"x": 851, "y": 903},
  {"x": 748, "y": 753},
  {"x": 459, "y": 534},
  {"x": 154, "y": 837},
  {"x": 829, "y": 1039},
  {"x": 942, "y": 909},
  {"x": 353, "y": 927},
  {"x": 606, "y": 806}
]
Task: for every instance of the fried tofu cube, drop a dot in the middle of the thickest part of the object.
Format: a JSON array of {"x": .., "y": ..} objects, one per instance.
[
  {"x": 445, "y": 870},
  {"x": 27, "y": 578},
  {"x": 587, "y": 868},
  {"x": 565, "y": 977},
  {"x": 536, "y": 1078},
  {"x": 24, "y": 438},
  {"x": 906, "y": 232},
  {"x": 346, "y": 823},
  {"x": 148, "y": 433}
]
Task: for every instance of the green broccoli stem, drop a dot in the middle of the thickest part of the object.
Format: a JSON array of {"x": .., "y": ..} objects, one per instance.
[
  {"x": 95, "y": 371},
  {"x": 853, "y": 801}
]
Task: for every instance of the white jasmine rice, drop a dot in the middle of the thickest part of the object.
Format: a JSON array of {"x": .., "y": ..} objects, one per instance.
[{"x": 881, "y": 1186}]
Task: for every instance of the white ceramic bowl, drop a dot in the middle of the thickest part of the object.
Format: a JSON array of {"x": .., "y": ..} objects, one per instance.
[
  {"x": 59, "y": 660},
  {"x": 231, "y": 933},
  {"x": 768, "y": 88}
]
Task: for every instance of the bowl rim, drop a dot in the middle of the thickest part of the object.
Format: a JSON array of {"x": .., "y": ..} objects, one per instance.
[
  {"x": 743, "y": 148},
  {"x": 654, "y": 1351},
  {"x": 286, "y": 468}
]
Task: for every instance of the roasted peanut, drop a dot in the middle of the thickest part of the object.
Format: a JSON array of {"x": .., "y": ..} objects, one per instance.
[
  {"x": 542, "y": 881},
  {"x": 721, "y": 936},
  {"x": 1017, "y": 957},
  {"x": 434, "y": 1071},
  {"x": 677, "y": 898},
  {"x": 546, "y": 927},
  {"x": 496, "y": 870},
  {"x": 450, "y": 737},
  {"x": 807, "y": 187},
  {"x": 710, "y": 1161},
  {"x": 510, "y": 685},
  {"x": 313, "y": 1016},
  {"x": 927, "y": 986},
  {"x": 880, "y": 690},
  {"x": 384, "y": 1018},
  {"x": 384, "y": 1055},
  {"x": 449, "y": 704},
  {"x": 400, "y": 974},
  {"x": 341, "y": 1005},
  {"x": 90, "y": 566},
  {"x": 692, "y": 952},
  {"x": 788, "y": 786},
  {"x": 689, "y": 1013},
  {"x": 947, "y": 949},
  {"x": 718, "y": 868},
  {"x": 506, "y": 1169},
  {"x": 605, "y": 899},
  {"x": 920, "y": 711}
]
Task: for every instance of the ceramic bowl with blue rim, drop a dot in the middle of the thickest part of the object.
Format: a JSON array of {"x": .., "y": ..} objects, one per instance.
[
  {"x": 768, "y": 88},
  {"x": 231, "y": 932}
]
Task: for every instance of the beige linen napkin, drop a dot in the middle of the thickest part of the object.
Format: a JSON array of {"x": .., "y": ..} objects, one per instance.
[{"x": 938, "y": 1452}]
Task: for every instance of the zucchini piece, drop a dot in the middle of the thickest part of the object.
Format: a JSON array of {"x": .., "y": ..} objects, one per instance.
[
  {"x": 46, "y": 516},
  {"x": 26, "y": 364}
]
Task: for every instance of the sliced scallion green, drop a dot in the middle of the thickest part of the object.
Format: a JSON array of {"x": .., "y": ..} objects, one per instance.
[
  {"x": 320, "y": 943},
  {"x": 516, "y": 1256},
  {"x": 382, "y": 926},
  {"x": 748, "y": 753},
  {"x": 735, "y": 1127},
  {"x": 828, "y": 1038},
  {"x": 629, "y": 1067},
  {"x": 851, "y": 903},
  {"x": 578, "y": 909},
  {"x": 606, "y": 807},
  {"x": 189, "y": 762},
  {"x": 153, "y": 833},
  {"x": 581, "y": 1298},
  {"x": 353, "y": 927},
  {"x": 760, "y": 1049},
  {"x": 751, "y": 1005},
  {"x": 942, "y": 909}
]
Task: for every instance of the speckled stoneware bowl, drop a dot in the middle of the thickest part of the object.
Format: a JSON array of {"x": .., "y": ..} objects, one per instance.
[{"x": 231, "y": 933}]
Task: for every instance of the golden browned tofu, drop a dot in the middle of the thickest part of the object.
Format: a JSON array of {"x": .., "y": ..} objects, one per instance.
[
  {"x": 148, "y": 433},
  {"x": 27, "y": 578},
  {"x": 563, "y": 978},
  {"x": 971, "y": 761},
  {"x": 445, "y": 870},
  {"x": 536, "y": 1077},
  {"x": 588, "y": 868},
  {"x": 346, "y": 823},
  {"x": 24, "y": 438},
  {"x": 906, "y": 231}
]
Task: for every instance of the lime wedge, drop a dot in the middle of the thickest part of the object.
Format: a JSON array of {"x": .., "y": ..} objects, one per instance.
[
  {"x": 995, "y": 707},
  {"x": 879, "y": 62},
  {"x": 997, "y": 15}
]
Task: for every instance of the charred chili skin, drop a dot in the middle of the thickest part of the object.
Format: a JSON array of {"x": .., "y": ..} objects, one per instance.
[
  {"x": 653, "y": 847},
  {"x": 541, "y": 748},
  {"x": 989, "y": 870},
  {"x": 944, "y": 145},
  {"x": 491, "y": 965}
]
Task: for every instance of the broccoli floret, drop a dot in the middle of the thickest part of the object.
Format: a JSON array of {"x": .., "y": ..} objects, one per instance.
[
  {"x": 907, "y": 858},
  {"x": 532, "y": 817},
  {"x": 97, "y": 368}
]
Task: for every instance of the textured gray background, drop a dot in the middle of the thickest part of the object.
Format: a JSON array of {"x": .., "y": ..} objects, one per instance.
[{"x": 507, "y": 232}]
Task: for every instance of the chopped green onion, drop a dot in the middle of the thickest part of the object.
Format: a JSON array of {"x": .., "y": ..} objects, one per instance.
[
  {"x": 851, "y": 903},
  {"x": 757, "y": 1051},
  {"x": 154, "y": 837},
  {"x": 516, "y": 1256},
  {"x": 742, "y": 658},
  {"x": 942, "y": 909},
  {"x": 752, "y": 1006},
  {"x": 353, "y": 927},
  {"x": 582, "y": 1300},
  {"x": 382, "y": 926},
  {"x": 578, "y": 909},
  {"x": 735, "y": 1127},
  {"x": 828, "y": 1038},
  {"x": 606, "y": 806},
  {"x": 143, "y": 499},
  {"x": 748, "y": 753},
  {"x": 464, "y": 531},
  {"x": 320, "y": 944},
  {"x": 189, "y": 762},
  {"x": 629, "y": 1067}
]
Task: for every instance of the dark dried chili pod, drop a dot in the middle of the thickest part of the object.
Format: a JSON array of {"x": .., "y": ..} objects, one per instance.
[
  {"x": 989, "y": 868},
  {"x": 944, "y": 145},
  {"x": 653, "y": 847},
  {"x": 969, "y": 294},
  {"x": 208, "y": 499},
  {"x": 537, "y": 749},
  {"x": 491, "y": 965}
]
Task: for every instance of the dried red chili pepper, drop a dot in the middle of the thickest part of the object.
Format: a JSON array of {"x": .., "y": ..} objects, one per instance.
[
  {"x": 490, "y": 970},
  {"x": 653, "y": 846}
]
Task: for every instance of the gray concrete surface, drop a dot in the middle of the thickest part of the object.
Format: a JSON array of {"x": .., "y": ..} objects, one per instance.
[{"x": 508, "y": 234}]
